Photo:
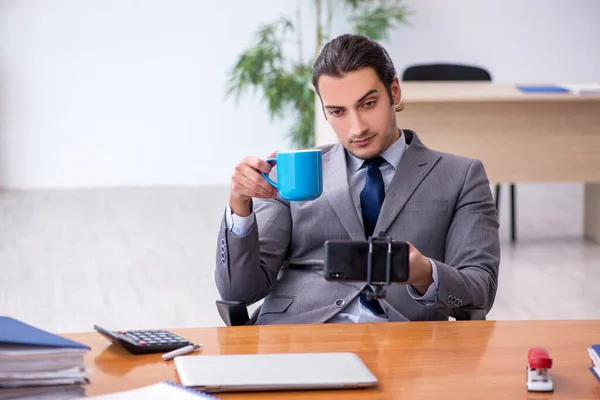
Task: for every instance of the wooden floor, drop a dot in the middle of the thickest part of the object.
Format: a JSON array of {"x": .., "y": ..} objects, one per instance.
[{"x": 143, "y": 258}]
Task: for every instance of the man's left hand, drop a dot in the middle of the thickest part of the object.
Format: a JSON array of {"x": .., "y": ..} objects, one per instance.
[{"x": 419, "y": 270}]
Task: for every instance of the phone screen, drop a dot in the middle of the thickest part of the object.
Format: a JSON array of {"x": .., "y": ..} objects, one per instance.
[{"x": 348, "y": 260}]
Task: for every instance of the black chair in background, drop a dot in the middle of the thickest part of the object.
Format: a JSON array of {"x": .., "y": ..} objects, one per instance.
[
  {"x": 459, "y": 72},
  {"x": 445, "y": 72}
]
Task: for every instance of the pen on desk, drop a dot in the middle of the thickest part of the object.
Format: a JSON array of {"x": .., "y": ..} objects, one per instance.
[{"x": 181, "y": 351}]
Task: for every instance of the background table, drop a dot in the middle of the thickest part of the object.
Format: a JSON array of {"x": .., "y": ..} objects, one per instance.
[{"x": 520, "y": 137}]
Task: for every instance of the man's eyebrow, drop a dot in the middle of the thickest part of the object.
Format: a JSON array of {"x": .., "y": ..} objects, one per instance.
[{"x": 370, "y": 92}]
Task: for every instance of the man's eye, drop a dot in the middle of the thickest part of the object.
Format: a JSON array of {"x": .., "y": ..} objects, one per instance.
[
  {"x": 369, "y": 104},
  {"x": 336, "y": 113}
]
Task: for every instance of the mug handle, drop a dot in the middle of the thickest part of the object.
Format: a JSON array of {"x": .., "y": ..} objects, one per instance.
[{"x": 273, "y": 183}]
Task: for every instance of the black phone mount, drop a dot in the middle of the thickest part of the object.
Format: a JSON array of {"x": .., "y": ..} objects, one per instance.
[{"x": 379, "y": 289}]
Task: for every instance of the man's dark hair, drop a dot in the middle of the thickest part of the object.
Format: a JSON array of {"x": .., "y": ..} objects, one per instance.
[{"x": 348, "y": 53}]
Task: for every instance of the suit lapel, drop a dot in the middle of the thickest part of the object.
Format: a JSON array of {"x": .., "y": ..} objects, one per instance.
[
  {"x": 416, "y": 163},
  {"x": 335, "y": 187}
]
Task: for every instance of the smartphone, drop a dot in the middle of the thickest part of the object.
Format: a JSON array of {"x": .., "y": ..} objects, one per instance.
[{"x": 347, "y": 260}]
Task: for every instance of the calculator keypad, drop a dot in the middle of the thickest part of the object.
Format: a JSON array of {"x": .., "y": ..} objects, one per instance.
[{"x": 155, "y": 338}]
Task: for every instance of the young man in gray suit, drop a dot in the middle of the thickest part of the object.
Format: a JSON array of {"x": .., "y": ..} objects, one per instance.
[{"x": 378, "y": 178}]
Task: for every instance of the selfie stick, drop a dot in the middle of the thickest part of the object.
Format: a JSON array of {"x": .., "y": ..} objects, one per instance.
[{"x": 379, "y": 292}]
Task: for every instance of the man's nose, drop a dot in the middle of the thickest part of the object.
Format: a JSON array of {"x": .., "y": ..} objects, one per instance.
[{"x": 357, "y": 126}]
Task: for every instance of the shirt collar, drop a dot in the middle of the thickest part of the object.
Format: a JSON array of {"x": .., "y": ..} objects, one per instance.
[{"x": 392, "y": 155}]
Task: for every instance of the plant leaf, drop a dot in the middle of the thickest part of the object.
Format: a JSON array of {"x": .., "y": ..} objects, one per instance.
[
  {"x": 377, "y": 21},
  {"x": 261, "y": 65},
  {"x": 353, "y": 4}
]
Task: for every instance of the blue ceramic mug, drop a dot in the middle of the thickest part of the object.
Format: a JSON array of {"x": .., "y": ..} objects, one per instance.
[{"x": 299, "y": 174}]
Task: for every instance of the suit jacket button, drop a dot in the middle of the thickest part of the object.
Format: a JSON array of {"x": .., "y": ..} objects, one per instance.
[
  {"x": 222, "y": 242},
  {"x": 340, "y": 303}
]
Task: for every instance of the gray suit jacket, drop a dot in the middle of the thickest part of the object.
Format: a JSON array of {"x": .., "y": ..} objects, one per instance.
[{"x": 439, "y": 202}]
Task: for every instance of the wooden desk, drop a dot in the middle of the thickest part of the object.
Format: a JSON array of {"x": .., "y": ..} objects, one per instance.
[
  {"x": 520, "y": 137},
  {"x": 417, "y": 360}
]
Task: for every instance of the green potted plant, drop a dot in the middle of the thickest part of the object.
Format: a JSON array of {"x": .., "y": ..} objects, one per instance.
[{"x": 285, "y": 82}]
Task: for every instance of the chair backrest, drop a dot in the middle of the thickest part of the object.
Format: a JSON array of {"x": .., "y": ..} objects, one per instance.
[
  {"x": 233, "y": 313},
  {"x": 445, "y": 72}
]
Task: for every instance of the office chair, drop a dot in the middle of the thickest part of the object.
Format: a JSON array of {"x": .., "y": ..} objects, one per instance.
[
  {"x": 235, "y": 313},
  {"x": 459, "y": 72}
]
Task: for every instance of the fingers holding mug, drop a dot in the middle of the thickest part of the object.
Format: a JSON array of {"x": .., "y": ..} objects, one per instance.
[
  {"x": 271, "y": 160},
  {"x": 247, "y": 187},
  {"x": 247, "y": 181},
  {"x": 259, "y": 182},
  {"x": 257, "y": 164}
]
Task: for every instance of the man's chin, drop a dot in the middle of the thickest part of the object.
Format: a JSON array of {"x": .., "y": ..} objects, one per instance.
[{"x": 365, "y": 153}]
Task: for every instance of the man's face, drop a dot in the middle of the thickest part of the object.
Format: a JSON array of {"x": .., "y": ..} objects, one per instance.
[{"x": 358, "y": 108}]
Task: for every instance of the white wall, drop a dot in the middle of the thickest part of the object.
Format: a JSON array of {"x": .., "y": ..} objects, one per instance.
[
  {"x": 130, "y": 92},
  {"x": 532, "y": 40},
  {"x": 127, "y": 92}
]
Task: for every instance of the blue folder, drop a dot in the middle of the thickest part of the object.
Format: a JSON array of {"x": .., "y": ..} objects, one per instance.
[
  {"x": 596, "y": 349},
  {"x": 593, "y": 371},
  {"x": 17, "y": 332},
  {"x": 542, "y": 89}
]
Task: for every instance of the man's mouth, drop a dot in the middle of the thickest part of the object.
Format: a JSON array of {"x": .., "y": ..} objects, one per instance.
[{"x": 362, "y": 142}]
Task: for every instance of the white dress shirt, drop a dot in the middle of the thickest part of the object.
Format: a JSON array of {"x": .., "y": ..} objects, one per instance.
[{"x": 355, "y": 311}]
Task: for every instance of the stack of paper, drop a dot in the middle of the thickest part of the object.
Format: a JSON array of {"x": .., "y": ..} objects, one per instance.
[
  {"x": 37, "y": 364},
  {"x": 594, "y": 351},
  {"x": 582, "y": 88},
  {"x": 165, "y": 390},
  {"x": 574, "y": 88}
]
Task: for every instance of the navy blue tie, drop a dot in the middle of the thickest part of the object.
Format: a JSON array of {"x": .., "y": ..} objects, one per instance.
[
  {"x": 371, "y": 199},
  {"x": 372, "y": 195}
]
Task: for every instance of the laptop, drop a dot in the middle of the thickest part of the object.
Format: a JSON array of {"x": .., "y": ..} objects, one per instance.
[{"x": 267, "y": 372}]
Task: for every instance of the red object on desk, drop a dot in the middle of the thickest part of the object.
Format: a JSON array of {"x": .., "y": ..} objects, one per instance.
[{"x": 539, "y": 358}]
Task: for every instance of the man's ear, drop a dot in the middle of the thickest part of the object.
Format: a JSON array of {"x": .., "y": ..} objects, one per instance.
[{"x": 396, "y": 92}]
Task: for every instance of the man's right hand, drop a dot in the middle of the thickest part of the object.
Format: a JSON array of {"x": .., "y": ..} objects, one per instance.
[{"x": 247, "y": 182}]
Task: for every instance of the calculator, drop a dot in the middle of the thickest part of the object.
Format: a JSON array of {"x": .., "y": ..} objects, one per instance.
[{"x": 144, "y": 341}]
